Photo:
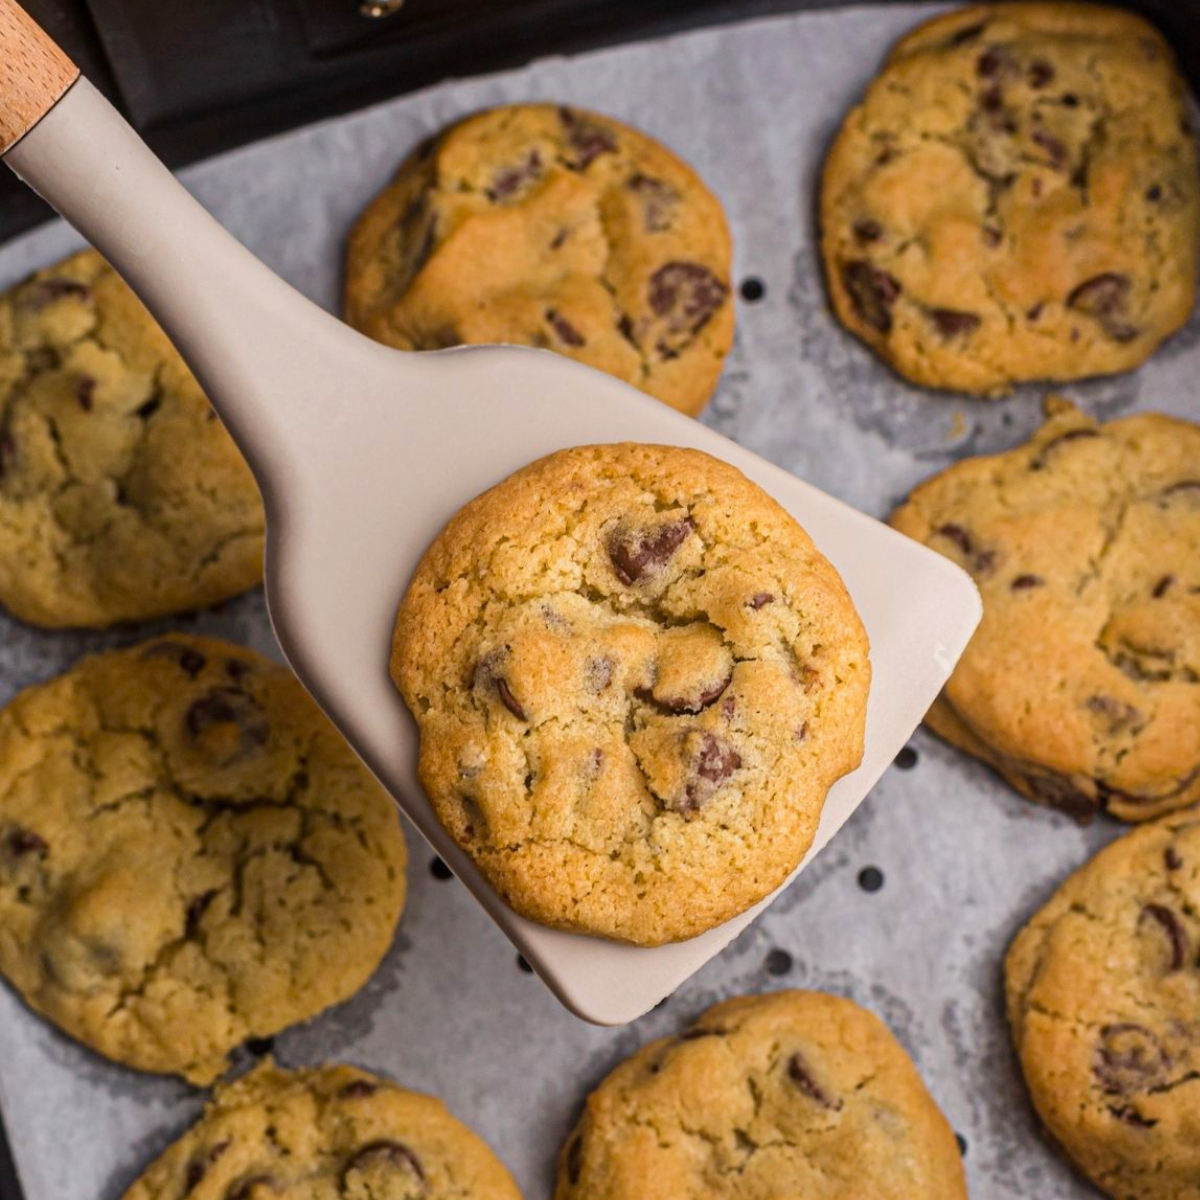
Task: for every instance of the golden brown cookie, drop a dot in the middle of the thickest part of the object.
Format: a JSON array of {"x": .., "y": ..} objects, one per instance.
[
  {"x": 541, "y": 225},
  {"x": 1016, "y": 198},
  {"x": 796, "y": 1094},
  {"x": 190, "y": 855},
  {"x": 1104, "y": 1000},
  {"x": 636, "y": 679},
  {"x": 326, "y": 1133},
  {"x": 1082, "y": 684},
  {"x": 121, "y": 495}
]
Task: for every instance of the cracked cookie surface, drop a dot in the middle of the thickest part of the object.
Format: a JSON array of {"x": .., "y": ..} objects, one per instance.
[
  {"x": 790, "y": 1094},
  {"x": 328, "y": 1133},
  {"x": 1016, "y": 199},
  {"x": 635, "y": 679},
  {"x": 190, "y": 855},
  {"x": 121, "y": 495},
  {"x": 1104, "y": 1000},
  {"x": 1082, "y": 683},
  {"x": 540, "y": 225}
]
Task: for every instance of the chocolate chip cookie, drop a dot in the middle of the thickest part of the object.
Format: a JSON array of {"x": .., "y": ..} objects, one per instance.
[
  {"x": 1016, "y": 198},
  {"x": 1082, "y": 684},
  {"x": 791, "y": 1094},
  {"x": 540, "y": 225},
  {"x": 190, "y": 855},
  {"x": 1104, "y": 999},
  {"x": 322, "y": 1134},
  {"x": 121, "y": 495},
  {"x": 635, "y": 678}
]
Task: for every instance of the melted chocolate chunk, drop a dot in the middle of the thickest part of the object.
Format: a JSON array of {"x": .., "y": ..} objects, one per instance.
[
  {"x": 873, "y": 293},
  {"x": 1071, "y": 435},
  {"x": 1106, "y": 298},
  {"x": 1025, "y": 582},
  {"x": 761, "y": 600},
  {"x": 85, "y": 392},
  {"x": 566, "y": 332},
  {"x": 21, "y": 841},
  {"x": 686, "y": 294},
  {"x": 635, "y": 554},
  {"x": 801, "y": 1075},
  {"x": 1173, "y": 927},
  {"x": 509, "y": 700},
  {"x": 197, "y": 1168},
  {"x": 1116, "y": 713},
  {"x": 981, "y": 560},
  {"x": 714, "y": 762},
  {"x": 868, "y": 231},
  {"x": 1129, "y": 1058},
  {"x": 676, "y": 705},
  {"x": 229, "y": 707},
  {"x": 358, "y": 1089},
  {"x": 190, "y": 661},
  {"x": 1131, "y": 1116},
  {"x": 989, "y": 64},
  {"x": 47, "y": 291},
  {"x": 1172, "y": 859},
  {"x": 598, "y": 673},
  {"x": 1063, "y": 795},
  {"x": 952, "y": 324},
  {"x": 385, "y": 1155},
  {"x": 658, "y": 199},
  {"x": 587, "y": 139},
  {"x": 1163, "y": 586},
  {"x": 1055, "y": 150},
  {"x": 511, "y": 180},
  {"x": 1178, "y": 489},
  {"x": 1040, "y": 73}
]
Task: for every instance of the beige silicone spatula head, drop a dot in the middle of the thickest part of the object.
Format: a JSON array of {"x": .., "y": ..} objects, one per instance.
[{"x": 363, "y": 453}]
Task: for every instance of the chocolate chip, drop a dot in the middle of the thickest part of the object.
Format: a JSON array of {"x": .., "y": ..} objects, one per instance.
[
  {"x": 567, "y": 333},
  {"x": 21, "y": 841},
  {"x": 226, "y": 707},
  {"x": 868, "y": 231},
  {"x": 574, "y": 1159},
  {"x": 1035, "y": 312},
  {"x": 1154, "y": 194},
  {"x": 993, "y": 100},
  {"x": 1131, "y": 1116},
  {"x": 658, "y": 199},
  {"x": 1129, "y": 1058},
  {"x": 958, "y": 535},
  {"x": 512, "y": 179},
  {"x": 85, "y": 392},
  {"x": 587, "y": 139},
  {"x": 951, "y": 324},
  {"x": 1174, "y": 929},
  {"x": 687, "y": 294},
  {"x": 1186, "y": 485},
  {"x": 1116, "y": 713},
  {"x": 1172, "y": 859},
  {"x": 598, "y": 673},
  {"x": 761, "y": 600},
  {"x": 873, "y": 292},
  {"x": 509, "y": 700},
  {"x": 1054, "y": 148},
  {"x": 1069, "y": 100},
  {"x": 676, "y": 705},
  {"x": 714, "y": 762},
  {"x": 150, "y": 407},
  {"x": 992, "y": 236},
  {"x": 246, "y": 1189},
  {"x": 1106, "y": 297},
  {"x": 1024, "y": 582},
  {"x": 801, "y": 1075},
  {"x": 638, "y": 553},
  {"x": 237, "y": 668},
  {"x": 197, "y": 1168},
  {"x": 1040, "y": 73},
  {"x": 45, "y": 292},
  {"x": 989, "y": 64},
  {"x": 1161, "y": 588},
  {"x": 385, "y": 1156},
  {"x": 358, "y": 1089},
  {"x": 190, "y": 661}
]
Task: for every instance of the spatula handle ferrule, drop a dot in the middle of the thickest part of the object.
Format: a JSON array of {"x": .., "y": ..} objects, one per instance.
[{"x": 34, "y": 74}]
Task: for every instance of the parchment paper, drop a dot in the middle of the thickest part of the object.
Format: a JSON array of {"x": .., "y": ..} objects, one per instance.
[{"x": 965, "y": 860}]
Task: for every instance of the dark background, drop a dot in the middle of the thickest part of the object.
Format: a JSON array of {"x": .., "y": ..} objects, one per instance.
[{"x": 197, "y": 78}]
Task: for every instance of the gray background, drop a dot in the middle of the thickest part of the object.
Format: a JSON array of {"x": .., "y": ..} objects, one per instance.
[{"x": 965, "y": 860}]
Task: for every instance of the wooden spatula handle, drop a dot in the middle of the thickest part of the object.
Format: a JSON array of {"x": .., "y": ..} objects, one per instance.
[{"x": 34, "y": 73}]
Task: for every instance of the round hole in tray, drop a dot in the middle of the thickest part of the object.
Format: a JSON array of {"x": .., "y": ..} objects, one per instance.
[
  {"x": 906, "y": 759},
  {"x": 524, "y": 965},
  {"x": 439, "y": 870},
  {"x": 962, "y": 1144},
  {"x": 753, "y": 289},
  {"x": 779, "y": 962},
  {"x": 870, "y": 879}
]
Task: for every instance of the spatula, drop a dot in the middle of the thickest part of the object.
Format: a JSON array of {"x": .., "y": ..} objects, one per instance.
[{"x": 363, "y": 452}]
